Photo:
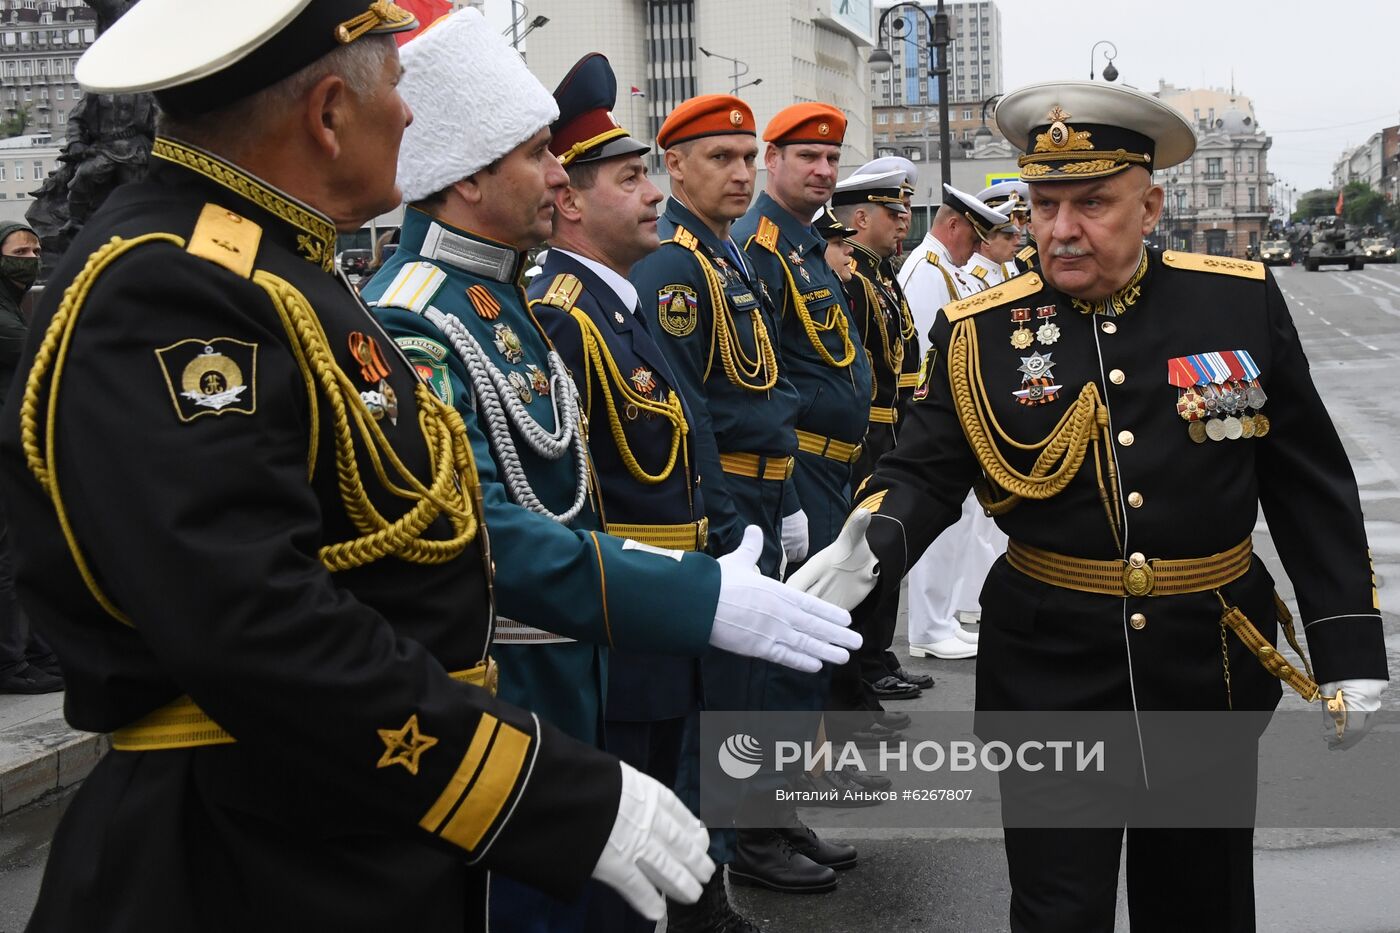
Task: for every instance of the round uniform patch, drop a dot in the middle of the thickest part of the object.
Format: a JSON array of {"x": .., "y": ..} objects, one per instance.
[{"x": 677, "y": 309}]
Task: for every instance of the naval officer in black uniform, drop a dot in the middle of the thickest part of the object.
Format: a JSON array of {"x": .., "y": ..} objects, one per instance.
[
  {"x": 253, "y": 535},
  {"x": 1156, "y": 401}
]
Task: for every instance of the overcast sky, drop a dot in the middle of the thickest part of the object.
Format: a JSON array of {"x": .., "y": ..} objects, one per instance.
[{"x": 1322, "y": 75}]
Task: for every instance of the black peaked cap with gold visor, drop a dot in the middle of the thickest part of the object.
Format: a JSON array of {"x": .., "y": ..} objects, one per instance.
[
  {"x": 1075, "y": 130},
  {"x": 198, "y": 56},
  {"x": 586, "y": 130}
]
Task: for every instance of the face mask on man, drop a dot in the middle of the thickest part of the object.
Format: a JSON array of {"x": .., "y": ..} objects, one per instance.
[{"x": 20, "y": 270}]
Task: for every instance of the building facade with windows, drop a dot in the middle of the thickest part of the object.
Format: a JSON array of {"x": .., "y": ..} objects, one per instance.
[
  {"x": 1217, "y": 201},
  {"x": 40, "y": 42},
  {"x": 25, "y": 161},
  {"x": 776, "y": 53}
]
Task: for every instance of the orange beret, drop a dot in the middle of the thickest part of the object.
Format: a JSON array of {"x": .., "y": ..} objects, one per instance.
[
  {"x": 806, "y": 123},
  {"x": 707, "y": 115}
]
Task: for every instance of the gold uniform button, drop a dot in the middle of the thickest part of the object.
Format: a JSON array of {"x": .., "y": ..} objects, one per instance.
[
  {"x": 1137, "y": 559},
  {"x": 1108, "y": 327},
  {"x": 1135, "y": 499},
  {"x": 1116, "y": 377},
  {"x": 1125, "y": 438},
  {"x": 1138, "y": 621}
]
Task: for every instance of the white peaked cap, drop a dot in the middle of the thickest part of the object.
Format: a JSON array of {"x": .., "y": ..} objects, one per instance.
[{"x": 473, "y": 101}]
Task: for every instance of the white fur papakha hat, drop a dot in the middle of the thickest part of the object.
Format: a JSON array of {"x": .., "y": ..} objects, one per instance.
[{"x": 473, "y": 101}]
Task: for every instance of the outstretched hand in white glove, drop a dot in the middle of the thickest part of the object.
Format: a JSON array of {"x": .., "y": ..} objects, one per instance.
[
  {"x": 656, "y": 848},
  {"x": 845, "y": 571},
  {"x": 763, "y": 618},
  {"x": 1361, "y": 697}
]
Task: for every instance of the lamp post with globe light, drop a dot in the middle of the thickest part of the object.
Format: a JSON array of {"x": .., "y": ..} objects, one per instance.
[{"x": 881, "y": 62}]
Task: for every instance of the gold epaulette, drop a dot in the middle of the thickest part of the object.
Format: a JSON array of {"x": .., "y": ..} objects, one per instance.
[
  {"x": 767, "y": 235},
  {"x": 1019, "y": 287},
  {"x": 226, "y": 239},
  {"x": 563, "y": 291},
  {"x": 980, "y": 273},
  {"x": 932, "y": 257},
  {"x": 1026, "y": 253},
  {"x": 1200, "y": 262},
  {"x": 685, "y": 239}
]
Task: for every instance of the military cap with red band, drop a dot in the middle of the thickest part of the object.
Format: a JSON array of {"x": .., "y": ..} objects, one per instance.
[
  {"x": 806, "y": 123},
  {"x": 586, "y": 130},
  {"x": 707, "y": 115}
]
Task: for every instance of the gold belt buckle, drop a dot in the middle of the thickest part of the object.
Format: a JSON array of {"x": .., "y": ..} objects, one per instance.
[{"x": 1138, "y": 576}]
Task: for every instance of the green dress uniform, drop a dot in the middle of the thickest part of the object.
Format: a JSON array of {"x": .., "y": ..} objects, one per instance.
[
  {"x": 249, "y": 531},
  {"x": 1186, "y": 404},
  {"x": 557, "y": 577},
  {"x": 822, "y": 357}
]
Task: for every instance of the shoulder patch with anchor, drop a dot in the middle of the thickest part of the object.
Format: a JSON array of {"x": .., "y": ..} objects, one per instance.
[
  {"x": 413, "y": 288},
  {"x": 1224, "y": 265},
  {"x": 226, "y": 239},
  {"x": 1019, "y": 287},
  {"x": 214, "y": 376},
  {"x": 563, "y": 292}
]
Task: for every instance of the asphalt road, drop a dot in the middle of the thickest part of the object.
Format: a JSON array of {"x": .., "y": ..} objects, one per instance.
[{"x": 926, "y": 881}]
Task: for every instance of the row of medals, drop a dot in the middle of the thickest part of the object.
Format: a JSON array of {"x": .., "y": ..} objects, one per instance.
[{"x": 1223, "y": 413}]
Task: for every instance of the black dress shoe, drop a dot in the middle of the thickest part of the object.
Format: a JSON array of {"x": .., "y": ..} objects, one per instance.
[
  {"x": 48, "y": 664},
  {"x": 922, "y": 681},
  {"x": 712, "y": 913},
  {"x": 764, "y": 858},
  {"x": 866, "y": 779},
  {"x": 891, "y": 687},
  {"x": 895, "y": 721},
  {"x": 835, "y": 855},
  {"x": 30, "y": 680}
]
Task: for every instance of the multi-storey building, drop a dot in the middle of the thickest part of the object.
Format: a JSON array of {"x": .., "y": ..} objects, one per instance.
[
  {"x": 974, "y": 57},
  {"x": 772, "y": 54},
  {"x": 1363, "y": 163},
  {"x": 40, "y": 41},
  {"x": 1218, "y": 200},
  {"x": 25, "y": 161}
]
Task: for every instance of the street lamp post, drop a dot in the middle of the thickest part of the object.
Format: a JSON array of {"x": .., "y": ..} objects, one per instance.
[
  {"x": 1110, "y": 73},
  {"x": 881, "y": 62},
  {"x": 737, "y": 73}
]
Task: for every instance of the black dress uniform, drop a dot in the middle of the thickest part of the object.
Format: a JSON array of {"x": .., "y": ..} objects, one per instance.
[
  {"x": 248, "y": 530},
  {"x": 1125, "y": 446}
]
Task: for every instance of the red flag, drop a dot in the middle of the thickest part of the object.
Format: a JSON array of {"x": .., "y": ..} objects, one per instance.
[
  {"x": 637, "y": 92},
  {"x": 427, "y": 11},
  {"x": 1340, "y": 196}
]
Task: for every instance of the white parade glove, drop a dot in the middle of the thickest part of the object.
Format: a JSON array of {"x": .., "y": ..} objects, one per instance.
[
  {"x": 795, "y": 540},
  {"x": 845, "y": 571},
  {"x": 656, "y": 849},
  {"x": 762, "y": 618},
  {"x": 1359, "y": 697}
]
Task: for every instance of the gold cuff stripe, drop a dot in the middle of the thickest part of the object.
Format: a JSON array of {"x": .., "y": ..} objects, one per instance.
[
  {"x": 1108, "y": 577},
  {"x": 461, "y": 778},
  {"x": 776, "y": 469},
  {"x": 908, "y": 380},
  {"x": 872, "y": 503},
  {"x": 828, "y": 447},
  {"x": 488, "y": 794},
  {"x": 182, "y": 724},
  {"x": 884, "y": 415},
  {"x": 690, "y": 536}
]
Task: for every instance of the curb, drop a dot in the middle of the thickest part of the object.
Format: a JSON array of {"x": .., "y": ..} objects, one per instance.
[{"x": 42, "y": 755}]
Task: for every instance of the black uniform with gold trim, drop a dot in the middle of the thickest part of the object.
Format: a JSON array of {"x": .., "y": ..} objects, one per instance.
[
  {"x": 887, "y": 329},
  {"x": 1127, "y": 491},
  {"x": 249, "y": 532}
]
